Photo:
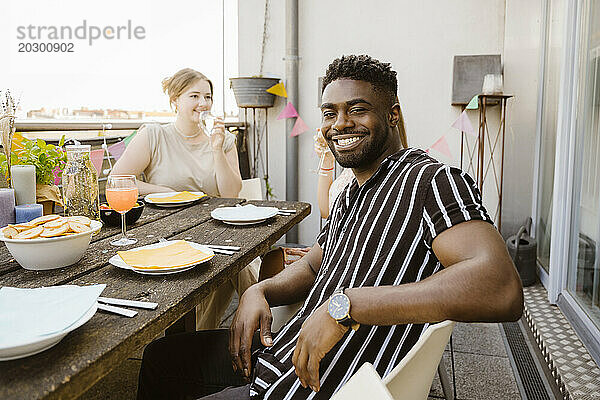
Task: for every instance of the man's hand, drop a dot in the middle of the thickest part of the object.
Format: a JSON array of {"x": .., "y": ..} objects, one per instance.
[
  {"x": 318, "y": 335},
  {"x": 253, "y": 312}
]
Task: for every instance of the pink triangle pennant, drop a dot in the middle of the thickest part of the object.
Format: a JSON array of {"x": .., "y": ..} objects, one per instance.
[
  {"x": 116, "y": 150},
  {"x": 97, "y": 157},
  {"x": 441, "y": 145},
  {"x": 299, "y": 127},
  {"x": 463, "y": 124},
  {"x": 288, "y": 112}
]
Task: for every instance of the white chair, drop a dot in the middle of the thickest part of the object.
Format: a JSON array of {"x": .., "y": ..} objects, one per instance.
[
  {"x": 410, "y": 379},
  {"x": 282, "y": 314},
  {"x": 251, "y": 189}
]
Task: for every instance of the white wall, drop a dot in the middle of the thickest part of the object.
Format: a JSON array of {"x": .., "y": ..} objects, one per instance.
[
  {"x": 521, "y": 71},
  {"x": 418, "y": 38}
]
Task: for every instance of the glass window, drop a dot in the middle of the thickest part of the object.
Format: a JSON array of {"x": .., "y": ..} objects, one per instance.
[
  {"x": 584, "y": 272},
  {"x": 554, "y": 41}
]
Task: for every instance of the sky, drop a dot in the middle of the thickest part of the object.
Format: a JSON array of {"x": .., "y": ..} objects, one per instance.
[{"x": 110, "y": 72}]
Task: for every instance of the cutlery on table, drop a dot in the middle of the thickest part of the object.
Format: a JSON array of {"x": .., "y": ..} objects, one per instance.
[
  {"x": 225, "y": 250},
  {"x": 220, "y": 247},
  {"x": 117, "y": 310},
  {"x": 221, "y": 251},
  {"x": 129, "y": 303},
  {"x": 285, "y": 212}
]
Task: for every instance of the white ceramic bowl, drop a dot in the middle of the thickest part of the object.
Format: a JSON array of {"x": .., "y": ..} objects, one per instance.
[{"x": 50, "y": 253}]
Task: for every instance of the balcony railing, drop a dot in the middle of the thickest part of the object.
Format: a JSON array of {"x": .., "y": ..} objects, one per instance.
[{"x": 96, "y": 133}]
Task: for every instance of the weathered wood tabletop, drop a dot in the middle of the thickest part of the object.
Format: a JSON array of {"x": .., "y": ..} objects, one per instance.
[{"x": 87, "y": 354}]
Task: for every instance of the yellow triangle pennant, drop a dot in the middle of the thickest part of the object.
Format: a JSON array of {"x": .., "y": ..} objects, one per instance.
[{"x": 278, "y": 90}]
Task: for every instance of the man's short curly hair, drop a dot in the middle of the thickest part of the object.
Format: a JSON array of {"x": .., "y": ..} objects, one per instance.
[{"x": 363, "y": 68}]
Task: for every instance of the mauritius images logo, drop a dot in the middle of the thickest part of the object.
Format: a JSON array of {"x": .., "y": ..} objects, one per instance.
[{"x": 53, "y": 38}]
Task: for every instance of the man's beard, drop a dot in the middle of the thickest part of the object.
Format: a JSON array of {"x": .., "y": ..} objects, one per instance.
[{"x": 373, "y": 147}]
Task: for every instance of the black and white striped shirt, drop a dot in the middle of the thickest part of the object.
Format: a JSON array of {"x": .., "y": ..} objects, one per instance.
[{"x": 377, "y": 234}]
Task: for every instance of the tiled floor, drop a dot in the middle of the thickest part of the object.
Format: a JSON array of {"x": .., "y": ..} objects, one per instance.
[
  {"x": 483, "y": 370},
  {"x": 565, "y": 351}
]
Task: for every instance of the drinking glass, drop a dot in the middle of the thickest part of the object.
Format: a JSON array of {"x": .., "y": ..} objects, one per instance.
[
  {"x": 488, "y": 84},
  {"x": 122, "y": 194},
  {"x": 321, "y": 139},
  {"x": 209, "y": 121}
]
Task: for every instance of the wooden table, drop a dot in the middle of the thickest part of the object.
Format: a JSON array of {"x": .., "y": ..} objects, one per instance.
[{"x": 90, "y": 352}]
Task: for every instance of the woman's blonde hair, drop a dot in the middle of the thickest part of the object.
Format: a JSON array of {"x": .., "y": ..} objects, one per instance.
[{"x": 175, "y": 85}]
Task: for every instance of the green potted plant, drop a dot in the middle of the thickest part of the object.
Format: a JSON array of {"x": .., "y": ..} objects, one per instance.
[{"x": 48, "y": 159}]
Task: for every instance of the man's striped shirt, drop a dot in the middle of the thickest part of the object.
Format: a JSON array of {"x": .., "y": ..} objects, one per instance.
[{"x": 377, "y": 234}]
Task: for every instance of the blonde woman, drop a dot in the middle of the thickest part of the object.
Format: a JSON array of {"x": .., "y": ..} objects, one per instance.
[{"x": 181, "y": 156}]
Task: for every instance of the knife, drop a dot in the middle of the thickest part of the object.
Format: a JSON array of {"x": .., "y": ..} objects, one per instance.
[
  {"x": 117, "y": 310},
  {"x": 128, "y": 303}
]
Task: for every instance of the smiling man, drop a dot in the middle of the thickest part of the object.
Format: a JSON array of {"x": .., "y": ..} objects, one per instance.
[{"x": 407, "y": 243}]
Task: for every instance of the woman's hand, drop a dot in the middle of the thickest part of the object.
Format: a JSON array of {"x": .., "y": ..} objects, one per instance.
[
  {"x": 326, "y": 159},
  {"x": 321, "y": 145},
  {"x": 293, "y": 254},
  {"x": 217, "y": 136}
]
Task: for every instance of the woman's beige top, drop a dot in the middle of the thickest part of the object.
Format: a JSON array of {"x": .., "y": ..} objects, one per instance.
[
  {"x": 339, "y": 184},
  {"x": 180, "y": 165}
]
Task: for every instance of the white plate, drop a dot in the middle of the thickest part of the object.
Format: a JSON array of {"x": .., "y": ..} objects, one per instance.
[
  {"x": 154, "y": 199},
  {"x": 38, "y": 344},
  {"x": 117, "y": 261},
  {"x": 248, "y": 214},
  {"x": 258, "y": 221}
]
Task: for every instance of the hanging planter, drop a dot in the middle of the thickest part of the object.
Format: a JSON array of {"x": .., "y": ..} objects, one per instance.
[{"x": 251, "y": 92}]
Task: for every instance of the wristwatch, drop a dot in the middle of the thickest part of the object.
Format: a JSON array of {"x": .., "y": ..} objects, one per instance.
[{"x": 339, "y": 309}]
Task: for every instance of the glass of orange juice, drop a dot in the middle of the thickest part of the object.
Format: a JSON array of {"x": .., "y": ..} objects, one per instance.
[{"x": 121, "y": 195}]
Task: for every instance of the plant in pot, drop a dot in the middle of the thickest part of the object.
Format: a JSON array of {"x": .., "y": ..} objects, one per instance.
[
  {"x": 48, "y": 160},
  {"x": 251, "y": 92}
]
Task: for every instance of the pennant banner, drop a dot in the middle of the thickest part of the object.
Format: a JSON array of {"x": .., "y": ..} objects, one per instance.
[
  {"x": 299, "y": 127},
  {"x": 278, "y": 90},
  {"x": 441, "y": 145},
  {"x": 474, "y": 103},
  {"x": 97, "y": 157},
  {"x": 127, "y": 140},
  {"x": 463, "y": 124},
  {"x": 288, "y": 112},
  {"x": 117, "y": 149}
]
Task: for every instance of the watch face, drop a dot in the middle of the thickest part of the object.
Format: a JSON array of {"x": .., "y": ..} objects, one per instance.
[{"x": 339, "y": 306}]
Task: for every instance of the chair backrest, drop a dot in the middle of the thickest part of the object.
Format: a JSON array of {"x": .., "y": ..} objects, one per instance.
[
  {"x": 412, "y": 377},
  {"x": 282, "y": 314},
  {"x": 251, "y": 189}
]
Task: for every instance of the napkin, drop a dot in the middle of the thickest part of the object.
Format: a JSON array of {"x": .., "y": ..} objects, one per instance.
[
  {"x": 177, "y": 254},
  {"x": 177, "y": 198},
  {"x": 31, "y": 313},
  {"x": 245, "y": 212}
]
